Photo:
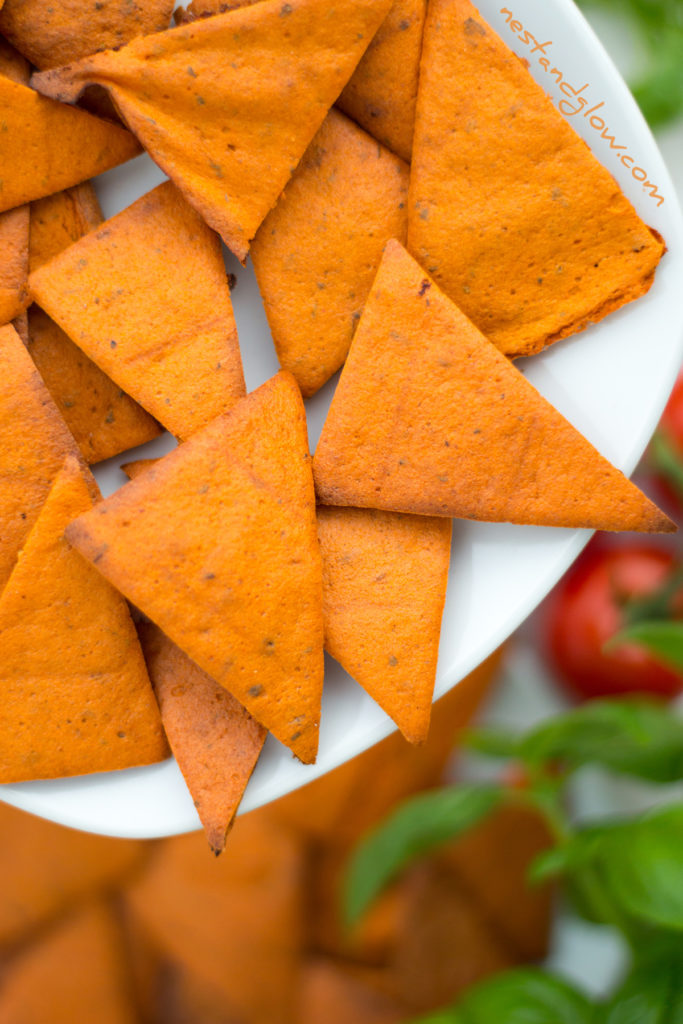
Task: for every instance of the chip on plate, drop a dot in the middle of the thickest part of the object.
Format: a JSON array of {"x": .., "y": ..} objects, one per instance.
[
  {"x": 76, "y": 697},
  {"x": 217, "y": 544},
  {"x": 384, "y": 587},
  {"x": 227, "y": 105},
  {"x": 215, "y": 741},
  {"x": 146, "y": 297},
  {"x": 67, "y": 145},
  {"x": 316, "y": 254},
  {"x": 510, "y": 213},
  {"x": 429, "y": 417}
]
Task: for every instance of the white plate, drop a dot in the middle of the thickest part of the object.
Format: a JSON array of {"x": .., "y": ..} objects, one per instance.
[{"x": 612, "y": 382}]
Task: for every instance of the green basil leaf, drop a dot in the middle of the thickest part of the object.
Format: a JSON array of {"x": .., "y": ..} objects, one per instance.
[
  {"x": 523, "y": 996},
  {"x": 641, "y": 866},
  {"x": 663, "y": 638},
  {"x": 652, "y": 993},
  {"x": 636, "y": 737},
  {"x": 418, "y": 826},
  {"x": 666, "y": 460},
  {"x": 492, "y": 742}
]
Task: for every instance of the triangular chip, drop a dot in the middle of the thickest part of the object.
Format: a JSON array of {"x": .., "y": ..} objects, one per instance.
[
  {"x": 384, "y": 587},
  {"x": 316, "y": 254},
  {"x": 34, "y": 441},
  {"x": 382, "y": 92},
  {"x": 14, "y": 224},
  {"x": 74, "y": 972},
  {"x": 76, "y": 697},
  {"x": 429, "y": 417},
  {"x": 67, "y": 145},
  {"x": 146, "y": 297},
  {"x": 217, "y": 544},
  {"x": 12, "y": 64},
  {"x": 51, "y": 34},
  {"x": 103, "y": 419},
  {"x": 14, "y": 228},
  {"x": 59, "y": 220},
  {"x": 226, "y": 106},
  {"x": 215, "y": 741},
  {"x": 509, "y": 210}
]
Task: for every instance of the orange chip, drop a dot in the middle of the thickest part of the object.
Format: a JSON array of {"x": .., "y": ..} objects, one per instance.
[
  {"x": 226, "y": 106},
  {"x": 34, "y": 441},
  {"x": 59, "y": 220},
  {"x": 12, "y": 64},
  {"x": 66, "y": 145},
  {"x": 235, "y": 923},
  {"x": 207, "y": 8},
  {"x": 333, "y": 992},
  {"x": 46, "y": 867},
  {"x": 384, "y": 587},
  {"x": 429, "y": 417},
  {"x": 51, "y": 34},
  {"x": 510, "y": 212},
  {"x": 382, "y": 91},
  {"x": 14, "y": 228},
  {"x": 14, "y": 223},
  {"x": 75, "y": 973},
  {"x": 217, "y": 544},
  {"x": 75, "y": 694},
  {"x": 103, "y": 419},
  {"x": 316, "y": 254},
  {"x": 146, "y": 297},
  {"x": 215, "y": 741}
]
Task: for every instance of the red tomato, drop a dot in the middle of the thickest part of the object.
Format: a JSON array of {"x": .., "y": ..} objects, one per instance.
[
  {"x": 671, "y": 429},
  {"x": 586, "y": 609},
  {"x": 671, "y": 422}
]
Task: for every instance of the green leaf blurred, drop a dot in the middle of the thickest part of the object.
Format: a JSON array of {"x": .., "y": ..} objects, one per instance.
[
  {"x": 418, "y": 826},
  {"x": 635, "y": 737},
  {"x": 659, "y": 25},
  {"x": 663, "y": 638},
  {"x": 523, "y": 996},
  {"x": 653, "y": 991}
]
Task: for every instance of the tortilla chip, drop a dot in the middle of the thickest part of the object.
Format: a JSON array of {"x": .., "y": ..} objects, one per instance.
[
  {"x": 75, "y": 973},
  {"x": 13, "y": 223},
  {"x": 339, "y": 807},
  {"x": 103, "y": 419},
  {"x": 217, "y": 544},
  {"x": 12, "y": 64},
  {"x": 67, "y": 145},
  {"x": 493, "y": 860},
  {"x": 444, "y": 943},
  {"x": 316, "y": 254},
  {"x": 384, "y": 587},
  {"x": 334, "y": 993},
  {"x": 489, "y": 447},
  {"x": 146, "y": 297},
  {"x": 59, "y": 220},
  {"x": 76, "y": 696},
  {"x": 14, "y": 227},
  {"x": 46, "y": 867},
  {"x": 34, "y": 441},
  {"x": 207, "y": 8},
  {"x": 235, "y": 923},
  {"x": 215, "y": 741},
  {"x": 52, "y": 34},
  {"x": 226, "y": 106},
  {"x": 510, "y": 212},
  {"x": 382, "y": 92}
]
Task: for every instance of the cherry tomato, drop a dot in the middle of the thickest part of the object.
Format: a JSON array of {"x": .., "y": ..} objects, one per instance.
[
  {"x": 667, "y": 467},
  {"x": 586, "y": 609}
]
